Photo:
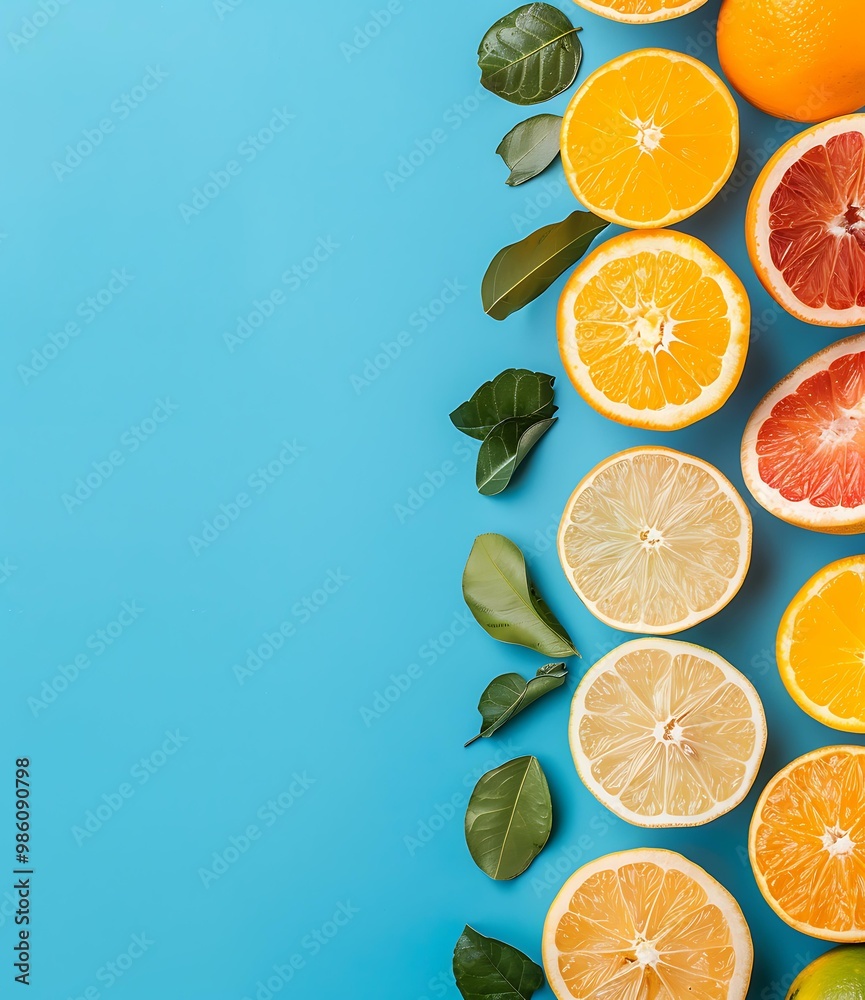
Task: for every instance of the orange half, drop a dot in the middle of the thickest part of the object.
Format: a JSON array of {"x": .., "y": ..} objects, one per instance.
[
  {"x": 649, "y": 138},
  {"x": 821, "y": 646},
  {"x": 653, "y": 329},
  {"x": 640, "y": 11},
  {"x": 807, "y": 843}
]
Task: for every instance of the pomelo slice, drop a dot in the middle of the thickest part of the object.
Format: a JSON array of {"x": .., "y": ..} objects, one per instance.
[
  {"x": 646, "y": 924},
  {"x": 655, "y": 541},
  {"x": 805, "y": 224},
  {"x": 803, "y": 451},
  {"x": 666, "y": 733}
]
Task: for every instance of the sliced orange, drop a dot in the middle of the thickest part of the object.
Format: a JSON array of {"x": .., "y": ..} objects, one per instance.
[
  {"x": 646, "y": 924},
  {"x": 640, "y": 11},
  {"x": 666, "y": 733},
  {"x": 649, "y": 138},
  {"x": 821, "y": 646},
  {"x": 653, "y": 540},
  {"x": 653, "y": 329},
  {"x": 807, "y": 843},
  {"x": 805, "y": 224},
  {"x": 803, "y": 450}
]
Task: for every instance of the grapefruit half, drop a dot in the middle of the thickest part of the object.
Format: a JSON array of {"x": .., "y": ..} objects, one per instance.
[
  {"x": 805, "y": 224},
  {"x": 803, "y": 452}
]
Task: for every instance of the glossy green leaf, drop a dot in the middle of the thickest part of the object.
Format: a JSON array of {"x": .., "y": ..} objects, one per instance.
[
  {"x": 487, "y": 969},
  {"x": 509, "y": 818},
  {"x": 530, "y": 147},
  {"x": 508, "y": 694},
  {"x": 504, "y": 448},
  {"x": 515, "y": 392},
  {"x": 520, "y": 272},
  {"x": 500, "y": 595},
  {"x": 530, "y": 55}
]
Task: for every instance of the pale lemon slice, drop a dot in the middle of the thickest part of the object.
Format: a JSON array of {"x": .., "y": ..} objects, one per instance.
[
  {"x": 653, "y": 540},
  {"x": 666, "y": 733},
  {"x": 646, "y": 924}
]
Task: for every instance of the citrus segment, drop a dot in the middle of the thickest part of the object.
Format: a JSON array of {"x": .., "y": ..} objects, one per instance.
[
  {"x": 821, "y": 646},
  {"x": 653, "y": 329},
  {"x": 653, "y": 540},
  {"x": 807, "y": 843},
  {"x": 646, "y": 923},
  {"x": 666, "y": 733},
  {"x": 803, "y": 451},
  {"x": 640, "y": 11},
  {"x": 805, "y": 224},
  {"x": 649, "y": 138}
]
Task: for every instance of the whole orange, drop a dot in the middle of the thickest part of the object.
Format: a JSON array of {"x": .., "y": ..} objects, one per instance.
[{"x": 798, "y": 59}]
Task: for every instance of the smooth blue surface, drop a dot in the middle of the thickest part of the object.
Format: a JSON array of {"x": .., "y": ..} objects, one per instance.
[{"x": 378, "y": 835}]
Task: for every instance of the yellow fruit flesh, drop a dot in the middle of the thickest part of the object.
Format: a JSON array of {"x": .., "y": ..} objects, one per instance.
[
  {"x": 652, "y": 540},
  {"x": 808, "y": 843},
  {"x": 667, "y": 734},
  {"x": 649, "y": 139},
  {"x": 827, "y": 652},
  {"x": 652, "y": 329},
  {"x": 640, "y": 933}
]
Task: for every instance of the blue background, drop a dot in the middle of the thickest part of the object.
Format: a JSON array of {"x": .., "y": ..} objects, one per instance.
[{"x": 373, "y": 830}]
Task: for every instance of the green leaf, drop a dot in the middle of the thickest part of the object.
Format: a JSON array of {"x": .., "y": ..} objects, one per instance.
[
  {"x": 530, "y": 147},
  {"x": 503, "y": 449},
  {"x": 515, "y": 392},
  {"x": 509, "y": 818},
  {"x": 487, "y": 969},
  {"x": 520, "y": 272},
  {"x": 507, "y": 695},
  {"x": 530, "y": 55},
  {"x": 499, "y": 593}
]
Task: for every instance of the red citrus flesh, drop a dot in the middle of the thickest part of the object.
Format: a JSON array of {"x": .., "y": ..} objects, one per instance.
[
  {"x": 817, "y": 224},
  {"x": 811, "y": 447}
]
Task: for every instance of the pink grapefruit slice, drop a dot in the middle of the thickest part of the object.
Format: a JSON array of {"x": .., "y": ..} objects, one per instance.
[
  {"x": 805, "y": 224},
  {"x": 803, "y": 452}
]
